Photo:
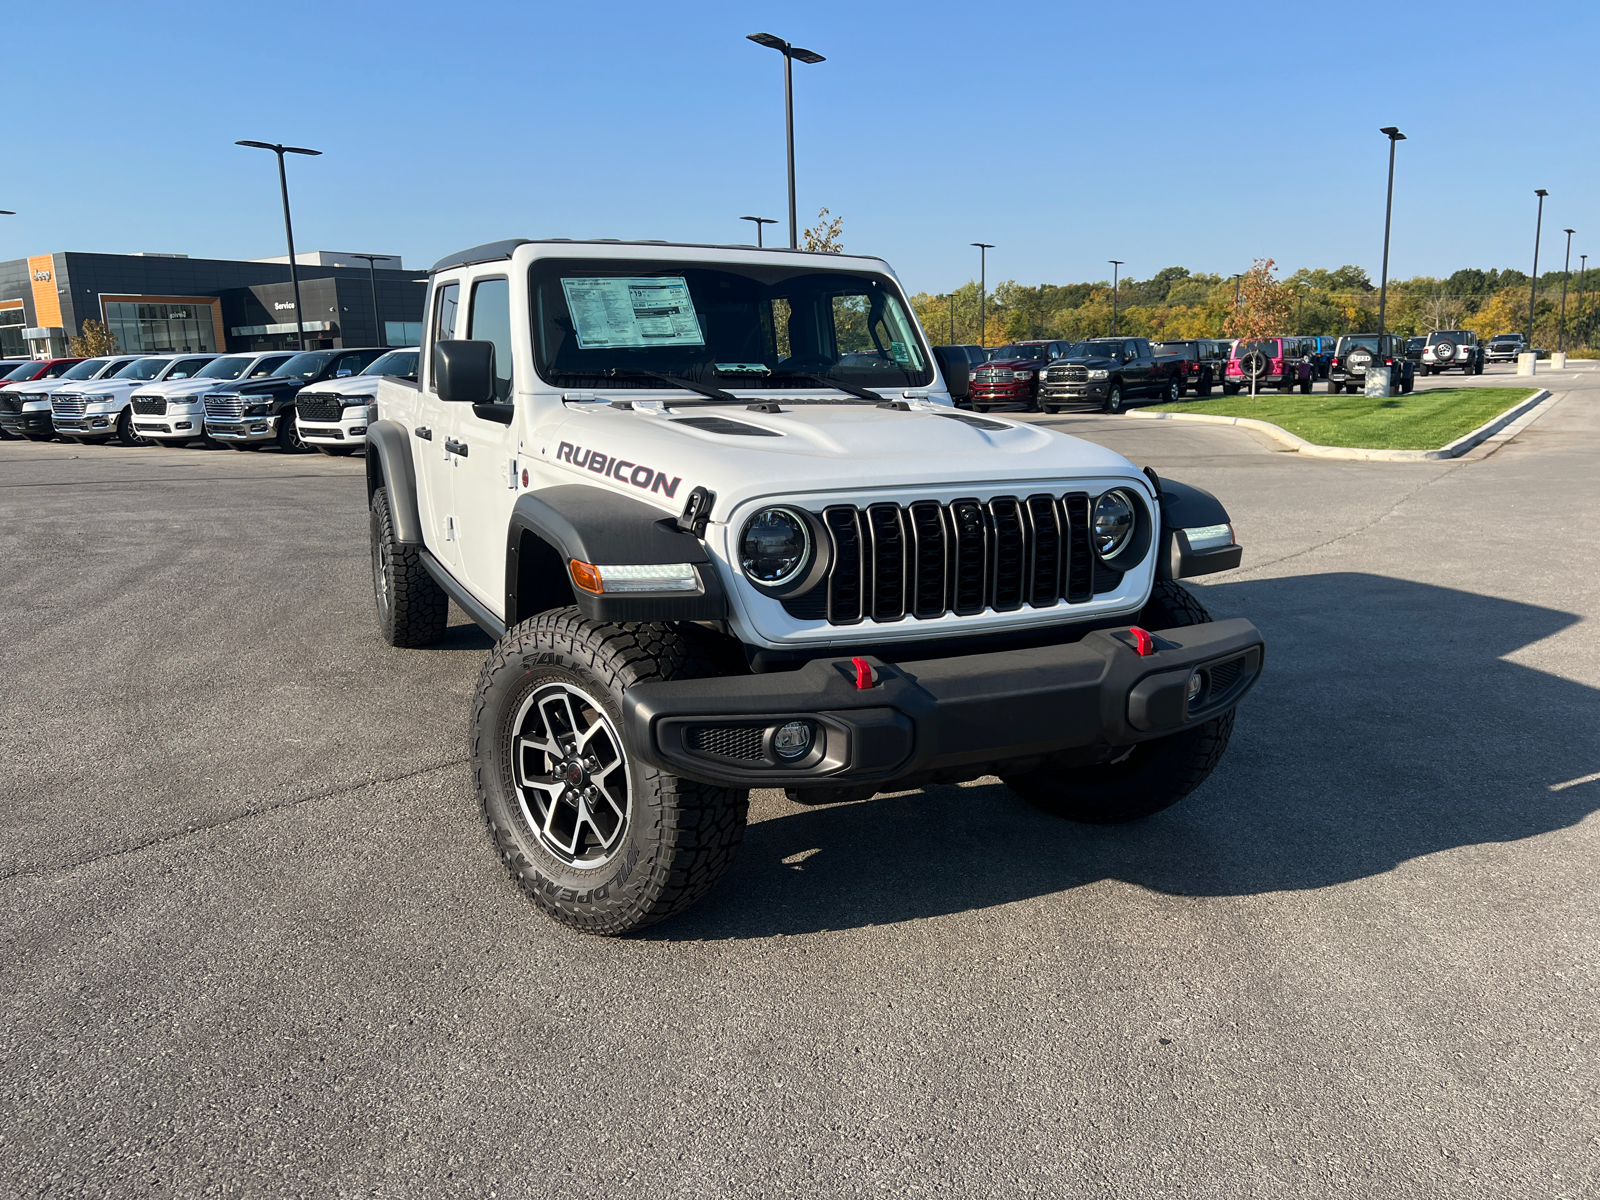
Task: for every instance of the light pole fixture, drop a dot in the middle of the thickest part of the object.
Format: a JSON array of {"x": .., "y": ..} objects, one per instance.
[
  {"x": 1236, "y": 279},
  {"x": 372, "y": 276},
  {"x": 288, "y": 226},
  {"x": 759, "y": 222},
  {"x": 1566, "y": 270},
  {"x": 1533, "y": 288},
  {"x": 983, "y": 288},
  {"x": 1115, "y": 263},
  {"x": 1394, "y": 135},
  {"x": 790, "y": 53}
]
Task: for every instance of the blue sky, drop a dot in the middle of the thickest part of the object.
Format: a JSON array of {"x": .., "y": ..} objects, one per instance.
[{"x": 1066, "y": 133}]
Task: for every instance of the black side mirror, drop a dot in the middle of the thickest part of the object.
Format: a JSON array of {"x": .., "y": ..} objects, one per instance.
[{"x": 463, "y": 372}]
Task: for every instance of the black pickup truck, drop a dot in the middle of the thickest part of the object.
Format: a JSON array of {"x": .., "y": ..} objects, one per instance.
[{"x": 1103, "y": 373}]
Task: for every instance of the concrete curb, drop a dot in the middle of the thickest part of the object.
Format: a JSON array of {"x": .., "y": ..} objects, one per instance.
[{"x": 1298, "y": 444}]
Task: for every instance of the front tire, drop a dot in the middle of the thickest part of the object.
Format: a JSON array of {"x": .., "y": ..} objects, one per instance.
[
  {"x": 1152, "y": 775},
  {"x": 413, "y": 610},
  {"x": 600, "y": 841},
  {"x": 289, "y": 439},
  {"x": 1114, "y": 398},
  {"x": 126, "y": 434}
]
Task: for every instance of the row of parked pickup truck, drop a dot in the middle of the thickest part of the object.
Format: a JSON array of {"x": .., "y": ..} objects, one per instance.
[
  {"x": 314, "y": 400},
  {"x": 1104, "y": 373}
]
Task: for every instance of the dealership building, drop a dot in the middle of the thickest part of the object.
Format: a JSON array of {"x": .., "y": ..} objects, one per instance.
[{"x": 156, "y": 303}]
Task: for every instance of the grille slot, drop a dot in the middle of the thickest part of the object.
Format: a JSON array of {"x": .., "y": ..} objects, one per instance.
[
  {"x": 927, "y": 559},
  {"x": 150, "y": 406},
  {"x": 225, "y": 406},
  {"x": 726, "y": 741},
  {"x": 319, "y": 408},
  {"x": 1225, "y": 675}
]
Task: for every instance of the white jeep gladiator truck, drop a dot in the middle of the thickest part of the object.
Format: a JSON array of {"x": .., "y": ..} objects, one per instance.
[{"x": 716, "y": 510}]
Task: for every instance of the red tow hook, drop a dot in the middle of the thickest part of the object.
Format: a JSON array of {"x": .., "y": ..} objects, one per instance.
[
  {"x": 1143, "y": 644},
  {"x": 864, "y": 673}
]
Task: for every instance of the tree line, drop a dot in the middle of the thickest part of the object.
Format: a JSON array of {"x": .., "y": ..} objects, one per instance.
[{"x": 1178, "y": 303}]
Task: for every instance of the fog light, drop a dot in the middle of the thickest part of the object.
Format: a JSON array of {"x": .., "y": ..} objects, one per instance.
[
  {"x": 1194, "y": 685},
  {"x": 183, "y": 425},
  {"x": 793, "y": 740},
  {"x": 259, "y": 427}
]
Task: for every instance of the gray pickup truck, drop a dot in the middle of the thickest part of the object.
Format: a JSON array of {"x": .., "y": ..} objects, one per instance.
[{"x": 1104, "y": 373}]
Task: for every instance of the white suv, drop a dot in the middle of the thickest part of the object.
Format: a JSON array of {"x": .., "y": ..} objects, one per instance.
[
  {"x": 25, "y": 407},
  {"x": 99, "y": 410},
  {"x": 716, "y": 510},
  {"x": 332, "y": 416},
  {"x": 174, "y": 410}
]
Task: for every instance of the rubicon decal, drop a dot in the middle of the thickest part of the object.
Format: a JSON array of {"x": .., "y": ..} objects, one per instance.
[{"x": 646, "y": 478}]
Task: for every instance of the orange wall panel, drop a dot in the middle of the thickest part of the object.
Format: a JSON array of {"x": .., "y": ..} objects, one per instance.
[{"x": 46, "y": 299}]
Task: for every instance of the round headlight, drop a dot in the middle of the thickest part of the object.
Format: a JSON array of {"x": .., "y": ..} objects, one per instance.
[
  {"x": 774, "y": 546},
  {"x": 1113, "y": 523}
]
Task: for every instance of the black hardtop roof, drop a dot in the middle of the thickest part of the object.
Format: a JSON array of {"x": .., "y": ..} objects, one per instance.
[{"x": 494, "y": 251}]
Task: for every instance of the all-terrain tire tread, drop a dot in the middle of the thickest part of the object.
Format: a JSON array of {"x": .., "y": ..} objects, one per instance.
[{"x": 420, "y": 607}]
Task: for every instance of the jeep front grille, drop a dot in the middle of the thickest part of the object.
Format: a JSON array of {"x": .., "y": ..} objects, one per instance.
[
  {"x": 67, "y": 404},
  {"x": 224, "y": 406},
  {"x": 318, "y": 408},
  {"x": 150, "y": 406},
  {"x": 927, "y": 559}
]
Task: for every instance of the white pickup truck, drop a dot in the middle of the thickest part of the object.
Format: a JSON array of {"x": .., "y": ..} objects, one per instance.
[
  {"x": 174, "y": 410},
  {"x": 332, "y": 415},
  {"x": 716, "y": 510},
  {"x": 25, "y": 407},
  {"x": 99, "y": 410}
]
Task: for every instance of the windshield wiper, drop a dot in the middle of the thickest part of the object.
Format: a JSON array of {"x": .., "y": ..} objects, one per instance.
[
  {"x": 688, "y": 385},
  {"x": 848, "y": 389}
]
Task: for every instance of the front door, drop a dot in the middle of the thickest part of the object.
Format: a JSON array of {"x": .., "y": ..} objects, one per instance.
[{"x": 485, "y": 452}]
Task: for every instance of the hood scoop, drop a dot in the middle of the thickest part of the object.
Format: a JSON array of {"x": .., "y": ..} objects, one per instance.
[
  {"x": 975, "y": 422},
  {"x": 726, "y": 427}
]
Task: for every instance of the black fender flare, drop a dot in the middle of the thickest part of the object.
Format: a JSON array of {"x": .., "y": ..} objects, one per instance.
[
  {"x": 1184, "y": 506},
  {"x": 552, "y": 526},
  {"x": 389, "y": 465}
]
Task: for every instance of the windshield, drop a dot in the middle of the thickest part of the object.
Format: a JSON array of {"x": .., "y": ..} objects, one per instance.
[
  {"x": 724, "y": 325},
  {"x": 1018, "y": 350},
  {"x": 305, "y": 366},
  {"x": 27, "y": 370},
  {"x": 1268, "y": 346},
  {"x": 142, "y": 368},
  {"x": 1105, "y": 349},
  {"x": 1507, "y": 337},
  {"x": 1347, "y": 344},
  {"x": 397, "y": 362},
  {"x": 86, "y": 369},
  {"x": 223, "y": 368}
]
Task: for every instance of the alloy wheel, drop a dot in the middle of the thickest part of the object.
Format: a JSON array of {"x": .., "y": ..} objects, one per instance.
[{"x": 570, "y": 775}]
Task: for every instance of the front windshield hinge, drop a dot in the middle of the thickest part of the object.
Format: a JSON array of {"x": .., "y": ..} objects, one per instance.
[{"x": 577, "y": 395}]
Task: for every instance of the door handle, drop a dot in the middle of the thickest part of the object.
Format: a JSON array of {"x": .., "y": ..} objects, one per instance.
[
  {"x": 423, "y": 432},
  {"x": 451, "y": 446}
]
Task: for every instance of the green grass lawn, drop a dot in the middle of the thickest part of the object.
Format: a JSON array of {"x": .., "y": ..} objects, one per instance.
[{"x": 1420, "y": 421}]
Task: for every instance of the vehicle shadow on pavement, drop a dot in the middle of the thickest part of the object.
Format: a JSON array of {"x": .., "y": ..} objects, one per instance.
[{"x": 1387, "y": 725}]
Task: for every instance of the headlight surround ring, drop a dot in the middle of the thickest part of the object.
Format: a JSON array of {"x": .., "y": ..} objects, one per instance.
[
  {"x": 1120, "y": 528},
  {"x": 784, "y": 574}
]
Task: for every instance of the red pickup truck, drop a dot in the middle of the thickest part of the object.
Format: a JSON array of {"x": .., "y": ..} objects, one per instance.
[{"x": 1011, "y": 376}]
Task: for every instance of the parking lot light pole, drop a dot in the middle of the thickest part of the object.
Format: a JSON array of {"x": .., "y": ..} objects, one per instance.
[
  {"x": 372, "y": 276},
  {"x": 759, "y": 222},
  {"x": 1115, "y": 263},
  {"x": 1236, "y": 280},
  {"x": 1566, "y": 270},
  {"x": 790, "y": 53},
  {"x": 1533, "y": 289},
  {"x": 983, "y": 288},
  {"x": 1394, "y": 135},
  {"x": 1583, "y": 272},
  {"x": 288, "y": 226}
]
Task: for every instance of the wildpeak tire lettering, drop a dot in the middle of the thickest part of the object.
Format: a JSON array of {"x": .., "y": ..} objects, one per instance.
[{"x": 646, "y": 478}]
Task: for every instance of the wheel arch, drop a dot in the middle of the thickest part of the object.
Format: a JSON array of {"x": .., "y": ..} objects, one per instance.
[
  {"x": 553, "y": 526},
  {"x": 389, "y": 465}
]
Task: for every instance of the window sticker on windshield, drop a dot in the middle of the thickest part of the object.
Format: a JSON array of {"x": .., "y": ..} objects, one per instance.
[
  {"x": 651, "y": 311},
  {"x": 741, "y": 368},
  {"x": 898, "y": 349}
]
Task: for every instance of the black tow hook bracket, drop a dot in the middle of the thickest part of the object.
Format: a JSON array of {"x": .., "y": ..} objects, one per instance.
[{"x": 696, "y": 514}]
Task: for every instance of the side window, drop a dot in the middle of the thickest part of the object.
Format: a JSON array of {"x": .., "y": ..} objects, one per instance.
[
  {"x": 491, "y": 322},
  {"x": 352, "y": 364},
  {"x": 1130, "y": 350},
  {"x": 445, "y": 301},
  {"x": 56, "y": 368},
  {"x": 267, "y": 366},
  {"x": 186, "y": 368}
]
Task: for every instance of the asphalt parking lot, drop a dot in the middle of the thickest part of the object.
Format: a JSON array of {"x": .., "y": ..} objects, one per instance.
[{"x": 256, "y": 941}]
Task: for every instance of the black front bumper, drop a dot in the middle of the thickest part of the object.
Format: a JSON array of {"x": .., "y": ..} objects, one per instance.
[
  {"x": 945, "y": 718},
  {"x": 35, "y": 421}
]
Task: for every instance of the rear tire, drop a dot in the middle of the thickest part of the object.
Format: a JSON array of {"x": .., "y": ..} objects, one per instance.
[
  {"x": 1174, "y": 391},
  {"x": 1152, "y": 775},
  {"x": 413, "y": 610},
  {"x": 600, "y": 841},
  {"x": 1305, "y": 386}
]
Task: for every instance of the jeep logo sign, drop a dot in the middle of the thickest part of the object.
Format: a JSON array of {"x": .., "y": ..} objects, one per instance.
[{"x": 42, "y": 276}]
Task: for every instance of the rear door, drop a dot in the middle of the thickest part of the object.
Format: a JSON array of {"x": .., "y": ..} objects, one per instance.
[
  {"x": 429, "y": 426},
  {"x": 483, "y": 450}
]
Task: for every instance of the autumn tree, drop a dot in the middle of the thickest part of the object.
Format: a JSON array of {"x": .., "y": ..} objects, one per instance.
[
  {"x": 1265, "y": 305},
  {"x": 825, "y": 237},
  {"x": 94, "y": 341}
]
